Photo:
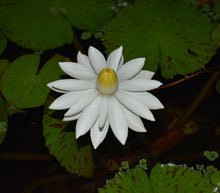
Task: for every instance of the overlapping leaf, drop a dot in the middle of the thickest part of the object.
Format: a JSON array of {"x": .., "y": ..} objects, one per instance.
[
  {"x": 25, "y": 87},
  {"x": 63, "y": 145},
  {"x": 173, "y": 36},
  {"x": 34, "y": 25},
  {"x": 90, "y": 15},
  {"x": 163, "y": 178}
]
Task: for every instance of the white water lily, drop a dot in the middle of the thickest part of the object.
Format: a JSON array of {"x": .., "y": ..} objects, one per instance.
[{"x": 105, "y": 93}]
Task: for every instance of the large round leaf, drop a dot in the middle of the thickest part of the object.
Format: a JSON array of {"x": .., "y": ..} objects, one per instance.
[
  {"x": 174, "y": 178},
  {"x": 133, "y": 180},
  {"x": 25, "y": 87},
  {"x": 33, "y": 24},
  {"x": 171, "y": 34},
  {"x": 3, "y": 120},
  {"x": 63, "y": 145},
  {"x": 90, "y": 15}
]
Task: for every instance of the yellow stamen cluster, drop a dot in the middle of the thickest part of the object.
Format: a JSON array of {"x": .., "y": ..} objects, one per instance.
[{"x": 107, "y": 81}]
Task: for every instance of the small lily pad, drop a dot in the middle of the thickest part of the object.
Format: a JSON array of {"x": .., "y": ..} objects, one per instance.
[
  {"x": 33, "y": 24},
  {"x": 89, "y": 15},
  {"x": 25, "y": 87},
  {"x": 63, "y": 145},
  {"x": 3, "y": 120},
  {"x": 167, "y": 33},
  {"x": 133, "y": 180},
  {"x": 3, "y": 42},
  {"x": 179, "y": 178}
]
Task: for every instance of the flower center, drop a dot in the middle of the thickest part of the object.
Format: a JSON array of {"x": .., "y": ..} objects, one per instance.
[{"x": 107, "y": 81}]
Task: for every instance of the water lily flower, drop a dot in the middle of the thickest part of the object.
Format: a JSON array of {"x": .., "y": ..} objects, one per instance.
[{"x": 105, "y": 93}]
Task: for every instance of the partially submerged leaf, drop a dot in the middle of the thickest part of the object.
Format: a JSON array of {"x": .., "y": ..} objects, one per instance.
[
  {"x": 133, "y": 180},
  {"x": 167, "y": 33},
  {"x": 23, "y": 86},
  {"x": 3, "y": 120},
  {"x": 32, "y": 24},
  {"x": 63, "y": 145},
  {"x": 90, "y": 15},
  {"x": 179, "y": 178}
]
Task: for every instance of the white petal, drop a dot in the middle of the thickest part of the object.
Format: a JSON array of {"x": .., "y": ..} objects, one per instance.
[
  {"x": 72, "y": 118},
  {"x": 134, "y": 122},
  {"x": 117, "y": 120},
  {"x": 103, "y": 111},
  {"x": 65, "y": 101},
  {"x": 69, "y": 99},
  {"x": 82, "y": 102},
  {"x": 134, "y": 105},
  {"x": 66, "y": 85},
  {"x": 121, "y": 62},
  {"x": 98, "y": 135},
  {"x": 97, "y": 59},
  {"x": 148, "y": 99},
  {"x": 139, "y": 85},
  {"x": 131, "y": 68},
  {"x": 77, "y": 71},
  {"x": 144, "y": 74},
  {"x": 84, "y": 60},
  {"x": 87, "y": 118},
  {"x": 114, "y": 59}
]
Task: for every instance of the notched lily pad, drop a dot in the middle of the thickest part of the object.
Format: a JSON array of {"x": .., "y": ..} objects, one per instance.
[
  {"x": 25, "y": 87},
  {"x": 31, "y": 24},
  {"x": 133, "y": 180},
  {"x": 172, "y": 35},
  {"x": 63, "y": 145},
  {"x": 179, "y": 178},
  {"x": 90, "y": 15},
  {"x": 3, "y": 120}
]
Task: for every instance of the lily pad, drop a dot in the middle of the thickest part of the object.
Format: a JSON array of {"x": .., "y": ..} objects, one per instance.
[
  {"x": 163, "y": 178},
  {"x": 172, "y": 35},
  {"x": 32, "y": 24},
  {"x": 133, "y": 180},
  {"x": 63, "y": 145},
  {"x": 3, "y": 120},
  {"x": 3, "y": 42},
  {"x": 3, "y": 65},
  {"x": 25, "y": 87},
  {"x": 179, "y": 178},
  {"x": 90, "y": 15}
]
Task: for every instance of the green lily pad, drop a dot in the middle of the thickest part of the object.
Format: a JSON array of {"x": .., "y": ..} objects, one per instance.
[
  {"x": 3, "y": 42},
  {"x": 63, "y": 145},
  {"x": 133, "y": 180},
  {"x": 34, "y": 25},
  {"x": 3, "y": 120},
  {"x": 90, "y": 15},
  {"x": 179, "y": 178},
  {"x": 163, "y": 179},
  {"x": 25, "y": 87},
  {"x": 172, "y": 35},
  {"x": 3, "y": 65},
  {"x": 215, "y": 178}
]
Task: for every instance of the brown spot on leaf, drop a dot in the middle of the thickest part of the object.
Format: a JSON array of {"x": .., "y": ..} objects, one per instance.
[{"x": 169, "y": 59}]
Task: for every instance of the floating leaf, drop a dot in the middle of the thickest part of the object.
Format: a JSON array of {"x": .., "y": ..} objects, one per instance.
[
  {"x": 167, "y": 33},
  {"x": 25, "y": 87},
  {"x": 3, "y": 42},
  {"x": 63, "y": 145},
  {"x": 34, "y": 25},
  {"x": 133, "y": 180},
  {"x": 174, "y": 178},
  {"x": 3, "y": 65},
  {"x": 90, "y": 15},
  {"x": 3, "y": 120},
  {"x": 215, "y": 178}
]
